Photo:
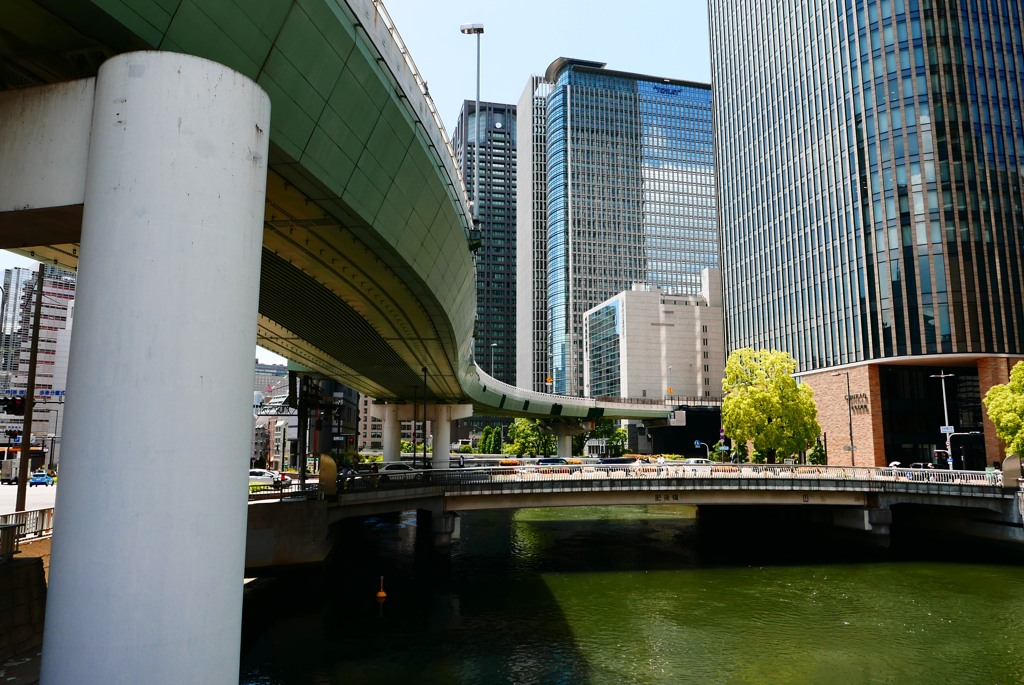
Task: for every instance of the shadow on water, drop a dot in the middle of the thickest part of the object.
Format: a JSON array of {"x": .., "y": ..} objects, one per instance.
[
  {"x": 637, "y": 594},
  {"x": 479, "y": 615}
]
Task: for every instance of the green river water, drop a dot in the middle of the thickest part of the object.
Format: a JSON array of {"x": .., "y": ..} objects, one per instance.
[{"x": 627, "y": 595}]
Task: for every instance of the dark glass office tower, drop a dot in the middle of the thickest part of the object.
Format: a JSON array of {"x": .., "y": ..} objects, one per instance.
[
  {"x": 496, "y": 260},
  {"x": 871, "y": 203}
]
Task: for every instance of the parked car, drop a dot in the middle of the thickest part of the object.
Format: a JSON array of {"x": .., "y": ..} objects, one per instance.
[
  {"x": 398, "y": 470},
  {"x": 552, "y": 461},
  {"x": 41, "y": 478},
  {"x": 698, "y": 462},
  {"x": 268, "y": 477}
]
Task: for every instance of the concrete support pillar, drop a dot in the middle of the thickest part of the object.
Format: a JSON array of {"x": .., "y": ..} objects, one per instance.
[
  {"x": 441, "y": 416},
  {"x": 146, "y": 578},
  {"x": 563, "y": 440},
  {"x": 441, "y": 430},
  {"x": 392, "y": 441},
  {"x": 444, "y": 528}
]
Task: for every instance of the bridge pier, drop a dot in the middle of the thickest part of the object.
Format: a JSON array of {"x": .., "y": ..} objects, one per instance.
[
  {"x": 441, "y": 526},
  {"x": 392, "y": 440},
  {"x": 145, "y": 577},
  {"x": 440, "y": 416}
]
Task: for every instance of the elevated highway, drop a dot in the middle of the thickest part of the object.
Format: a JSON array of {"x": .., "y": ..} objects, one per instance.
[
  {"x": 223, "y": 173},
  {"x": 366, "y": 272}
]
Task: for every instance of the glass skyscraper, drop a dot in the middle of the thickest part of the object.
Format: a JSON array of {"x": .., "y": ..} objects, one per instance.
[
  {"x": 628, "y": 197},
  {"x": 496, "y": 259},
  {"x": 869, "y": 164}
]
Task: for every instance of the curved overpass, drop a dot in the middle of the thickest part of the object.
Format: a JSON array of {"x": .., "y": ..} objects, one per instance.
[{"x": 367, "y": 275}]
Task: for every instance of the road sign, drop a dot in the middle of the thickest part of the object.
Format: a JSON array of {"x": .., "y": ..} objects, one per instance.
[
  {"x": 848, "y": 448},
  {"x": 696, "y": 443},
  {"x": 723, "y": 448},
  {"x": 947, "y": 429}
]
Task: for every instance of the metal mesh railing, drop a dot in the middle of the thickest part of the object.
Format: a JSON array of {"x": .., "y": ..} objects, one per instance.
[
  {"x": 35, "y": 523},
  {"x": 260, "y": 491},
  {"x": 576, "y": 474}
]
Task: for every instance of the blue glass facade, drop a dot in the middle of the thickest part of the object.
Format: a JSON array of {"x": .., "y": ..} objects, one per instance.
[
  {"x": 869, "y": 164},
  {"x": 630, "y": 196},
  {"x": 605, "y": 341}
]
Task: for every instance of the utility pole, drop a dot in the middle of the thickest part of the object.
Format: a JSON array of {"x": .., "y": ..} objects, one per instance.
[
  {"x": 303, "y": 427},
  {"x": 425, "y": 419},
  {"x": 30, "y": 396}
]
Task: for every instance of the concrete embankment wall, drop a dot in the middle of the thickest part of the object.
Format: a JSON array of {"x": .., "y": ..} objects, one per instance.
[{"x": 22, "y": 606}]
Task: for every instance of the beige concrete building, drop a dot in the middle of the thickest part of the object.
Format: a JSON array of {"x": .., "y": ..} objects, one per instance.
[{"x": 644, "y": 343}]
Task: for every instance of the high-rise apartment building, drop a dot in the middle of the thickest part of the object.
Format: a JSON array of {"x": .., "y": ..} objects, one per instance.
[
  {"x": 869, "y": 157},
  {"x": 55, "y": 325},
  {"x": 628, "y": 197},
  {"x": 495, "y": 345}
]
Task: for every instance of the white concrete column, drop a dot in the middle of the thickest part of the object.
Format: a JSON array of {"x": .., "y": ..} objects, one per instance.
[
  {"x": 392, "y": 440},
  {"x": 563, "y": 442},
  {"x": 441, "y": 429},
  {"x": 146, "y": 570}
]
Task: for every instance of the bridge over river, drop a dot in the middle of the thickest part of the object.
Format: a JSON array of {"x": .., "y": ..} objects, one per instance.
[{"x": 295, "y": 526}]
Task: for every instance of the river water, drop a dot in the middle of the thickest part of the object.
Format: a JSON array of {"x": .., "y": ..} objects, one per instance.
[{"x": 631, "y": 595}]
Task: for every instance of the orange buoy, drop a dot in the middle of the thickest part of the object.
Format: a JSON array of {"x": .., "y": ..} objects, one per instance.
[{"x": 381, "y": 594}]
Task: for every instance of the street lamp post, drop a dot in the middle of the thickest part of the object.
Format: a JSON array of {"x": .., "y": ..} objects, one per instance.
[
  {"x": 942, "y": 376},
  {"x": 670, "y": 380},
  {"x": 477, "y": 30},
  {"x": 849, "y": 408},
  {"x": 493, "y": 345}
]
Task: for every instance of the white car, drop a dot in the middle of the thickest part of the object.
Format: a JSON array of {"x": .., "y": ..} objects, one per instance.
[
  {"x": 698, "y": 462},
  {"x": 398, "y": 470},
  {"x": 268, "y": 477}
]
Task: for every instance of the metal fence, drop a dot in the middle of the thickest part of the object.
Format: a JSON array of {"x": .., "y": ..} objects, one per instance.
[
  {"x": 644, "y": 472},
  {"x": 34, "y": 524},
  {"x": 294, "y": 490}
]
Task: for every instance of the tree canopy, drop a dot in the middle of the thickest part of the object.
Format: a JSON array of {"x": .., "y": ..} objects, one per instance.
[
  {"x": 764, "y": 404},
  {"x": 603, "y": 428},
  {"x": 525, "y": 437},
  {"x": 1005, "y": 405}
]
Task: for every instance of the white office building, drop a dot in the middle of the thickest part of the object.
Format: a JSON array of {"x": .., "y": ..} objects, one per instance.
[{"x": 649, "y": 343}]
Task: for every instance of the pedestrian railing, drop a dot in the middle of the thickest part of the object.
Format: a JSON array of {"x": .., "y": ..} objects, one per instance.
[
  {"x": 294, "y": 490},
  {"x": 624, "y": 473},
  {"x": 36, "y": 523}
]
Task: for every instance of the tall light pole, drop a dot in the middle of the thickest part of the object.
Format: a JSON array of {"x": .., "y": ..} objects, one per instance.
[
  {"x": 477, "y": 30},
  {"x": 493, "y": 345},
  {"x": 849, "y": 408},
  {"x": 942, "y": 376},
  {"x": 670, "y": 380}
]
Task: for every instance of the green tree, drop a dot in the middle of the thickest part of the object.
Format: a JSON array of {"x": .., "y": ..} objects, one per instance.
[
  {"x": 764, "y": 405},
  {"x": 526, "y": 438},
  {"x": 816, "y": 455},
  {"x": 1005, "y": 405},
  {"x": 484, "y": 446},
  {"x": 607, "y": 429}
]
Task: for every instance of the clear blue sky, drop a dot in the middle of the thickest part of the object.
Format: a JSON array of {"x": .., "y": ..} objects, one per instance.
[{"x": 666, "y": 38}]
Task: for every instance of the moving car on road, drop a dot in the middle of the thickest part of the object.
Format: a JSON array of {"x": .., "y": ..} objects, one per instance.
[
  {"x": 268, "y": 477},
  {"x": 398, "y": 470},
  {"x": 41, "y": 478}
]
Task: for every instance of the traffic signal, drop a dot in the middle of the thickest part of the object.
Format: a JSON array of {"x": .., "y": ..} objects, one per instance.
[
  {"x": 13, "y": 406},
  {"x": 12, "y": 434}
]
